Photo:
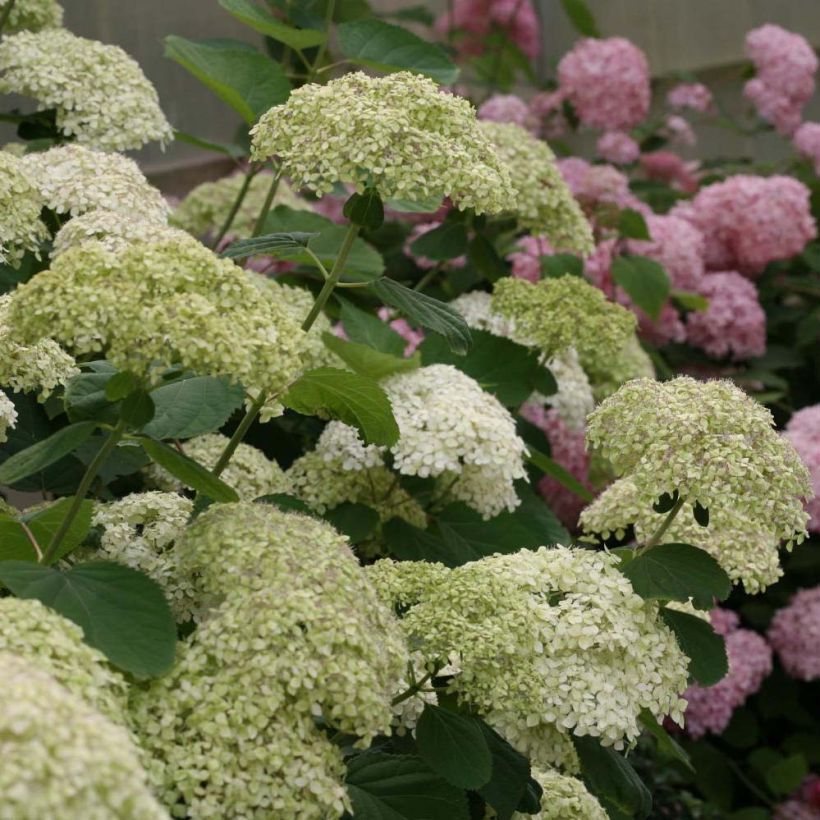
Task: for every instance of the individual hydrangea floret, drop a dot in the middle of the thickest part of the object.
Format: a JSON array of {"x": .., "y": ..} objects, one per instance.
[
  {"x": 794, "y": 634},
  {"x": 542, "y": 201},
  {"x": 101, "y": 96},
  {"x": 61, "y": 758},
  {"x": 398, "y": 133},
  {"x": 73, "y": 180},
  {"x": 21, "y": 228},
  {"x": 618, "y": 148},
  {"x": 563, "y": 798},
  {"x": 32, "y": 15},
  {"x": 803, "y": 431}
]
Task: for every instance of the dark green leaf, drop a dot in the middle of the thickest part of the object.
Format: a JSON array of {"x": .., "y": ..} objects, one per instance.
[
  {"x": 137, "y": 409},
  {"x": 356, "y": 521},
  {"x": 415, "y": 14},
  {"x": 667, "y": 745},
  {"x": 510, "y": 777},
  {"x": 557, "y": 265},
  {"x": 678, "y": 572},
  {"x": 425, "y": 311},
  {"x": 665, "y": 503},
  {"x": 86, "y": 400},
  {"x": 714, "y": 777},
  {"x": 704, "y": 647},
  {"x": 453, "y": 746},
  {"x": 16, "y": 533},
  {"x": 483, "y": 255},
  {"x": 286, "y": 502},
  {"x": 126, "y": 458},
  {"x": 237, "y": 73},
  {"x": 644, "y": 280},
  {"x": 553, "y": 469},
  {"x": 188, "y": 471},
  {"x": 632, "y": 225},
  {"x": 368, "y": 362},
  {"x": 367, "y": 329},
  {"x": 581, "y": 17},
  {"x": 401, "y": 787},
  {"x": 385, "y": 47},
  {"x": 261, "y": 20},
  {"x": 40, "y": 455},
  {"x": 409, "y": 543},
  {"x": 229, "y": 150},
  {"x": 122, "y": 612},
  {"x": 701, "y": 514},
  {"x": 365, "y": 209},
  {"x": 787, "y": 774},
  {"x": 119, "y": 385},
  {"x": 272, "y": 244},
  {"x": 447, "y": 241},
  {"x": 349, "y": 397}
]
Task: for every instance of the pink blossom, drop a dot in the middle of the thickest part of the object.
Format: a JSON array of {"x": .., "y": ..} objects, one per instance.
[
  {"x": 794, "y": 634},
  {"x": 607, "y": 82},
  {"x": 678, "y": 131},
  {"x": 475, "y": 20},
  {"x": 803, "y": 431},
  {"x": 618, "y": 148},
  {"x": 807, "y": 142},
  {"x": 422, "y": 261},
  {"x": 710, "y": 708},
  {"x": 411, "y": 335},
  {"x": 785, "y": 64},
  {"x": 669, "y": 167},
  {"x": 734, "y": 324},
  {"x": 526, "y": 259},
  {"x": 595, "y": 185},
  {"x": 598, "y": 266},
  {"x": 508, "y": 108},
  {"x": 804, "y": 805},
  {"x": 547, "y": 109},
  {"x": 668, "y": 327},
  {"x": 694, "y": 96},
  {"x": 749, "y": 221}
]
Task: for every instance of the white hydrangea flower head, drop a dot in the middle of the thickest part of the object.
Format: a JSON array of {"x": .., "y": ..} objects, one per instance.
[
  {"x": 399, "y": 134},
  {"x": 475, "y": 308},
  {"x": 73, "y": 179},
  {"x": 52, "y": 643},
  {"x": 160, "y": 304},
  {"x": 573, "y": 401},
  {"x": 139, "y": 531},
  {"x": 61, "y": 758},
  {"x": 8, "y": 415},
  {"x": 250, "y": 472},
  {"x": 564, "y": 798},
  {"x": 32, "y": 15},
  {"x": 630, "y": 362},
  {"x": 38, "y": 367},
  {"x": 543, "y": 203},
  {"x": 713, "y": 444},
  {"x": 114, "y": 231},
  {"x": 21, "y": 228},
  {"x": 205, "y": 209},
  {"x": 476, "y": 448},
  {"x": 101, "y": 96}
]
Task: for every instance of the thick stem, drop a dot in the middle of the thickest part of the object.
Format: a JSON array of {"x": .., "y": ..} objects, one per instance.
[
  {"x": 240, "y": 198},
  {"x": 411, "y": 690},
  {"x": 247, "y": 420},
  {"x": 665, "y": 524},
  {"x": 4, "y": 16},
  {"x": 333, "y": 278},
  {"x": 82, "y": 490}
]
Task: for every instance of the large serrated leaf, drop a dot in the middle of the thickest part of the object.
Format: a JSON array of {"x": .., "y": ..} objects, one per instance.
[
  {"x": 366, "y": 361},
  {"x": 17, "y": 533},
  {"x": 261, "y": 20},
  {"x": 699, "y": 641}
]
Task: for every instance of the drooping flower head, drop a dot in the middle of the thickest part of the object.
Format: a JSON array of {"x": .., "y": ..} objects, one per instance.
[
  {"x": 542, "y": 202},
  {"x": 398, "y": 133},
  {"x": 101, "y": 96},
  {"x": 21, "y": 228},
  {"x": 803, "y": 431},
  {"x": 607, "y": 82},
  {"x": 32, "y": 15},
  {"x": 794, "y": 634}
]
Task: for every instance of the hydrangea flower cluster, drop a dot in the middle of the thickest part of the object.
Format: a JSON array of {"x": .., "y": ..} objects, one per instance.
[
  {"x": 710, "y": 708},
  {"x": 669, "y": 167},
  {"x": 618, "y": 148},
  {"x": 749, "y": 221},
  {"x": 806, "y": 141},
  {"x": 786, "y": 65},
  {"x": 162, "y": 304},
  {"x": 8, "y": 415},
  {"x": 508, "y": 108},
  {"x": 734, "y": 323},
  {"x": 804, "y": 804},
  {"x": 397, "y": 133},
  {"x": 542, "y": 202},
  {"x": 526, "y": 258},
  {"x": 794, "y": 634},
  {"x": 598, "y": 185},
  {"x": 694, "y": 96},
  {"x": 678, "y": 131},
  {"x": 32, "y": 15},
  {"x": 573, "y": 401},
  {"x": 476, "y": 308},
  {"x": 630, "y": 362},
  {"x": 803, "y": 431},
  {"x": 563, "y": 798},
  {"x": 61, "y": 758},
  {"x": 513, "y": 629},
  {"x": 607, "y": 82},
  {"x": 21, "y": 228},
  {"x": 101, "y": 96}
]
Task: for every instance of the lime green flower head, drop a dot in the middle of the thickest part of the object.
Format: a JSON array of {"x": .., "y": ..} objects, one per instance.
[
  {"x": 21, "y": 228},
  {"x": 32, "y": 15}
]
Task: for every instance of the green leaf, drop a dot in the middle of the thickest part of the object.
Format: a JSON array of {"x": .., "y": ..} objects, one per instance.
[
  {"x": 425, "y": 311},
  {"x": 85, "y": 397},
  {"x": 365, "y": 209},
  {"x": 553, "y": 469},
  {"x": 126, "y": 458},
  {"x": 227, "y": 149},
  {"x": 646, "y": 282},
  {"x": 401, "y": 787},
  {"x": 368, "y": 362},
  {"x": 665, "y": 502},
  {"x": 690, "y": 301},
  {"x": 411, "y": 206},
  {"x": 137, "y": 409},
  {"x": 581, "y": 17},
  {"x": 668, "y": 747},
  {"x": 409, "y": 543},
  {"x": 272, "y": 244},
  {"x": 349, "y": 397},
  {"x": 632, "y": 225},
  {"x": 611, "y": 779},
  {"x": 236, "y": 72},
  {"x": 385, "y": 47},
  {"x": 188, "y": 471},
  {"x": 122, "y": 612},
  {"x": 453, "y": 746},
  {"x": 510, "y": 777},
  {"x": 416, "y": 14},
  {"x": 678, "y": 572},
  {"x": 356, "y": 521},
  {"x": 286, "y": 502},
  {"x": 192, "y": 406},
  {"x": 561, "y": 264},
  {"x": 701, "y": 514},
  {"x": 485, "y": 258},
  {"x": 16, "y": 533},
  {"x": 261, "y": 20},
  {"x": 367, "y": 329},
  {"x": 40, "y": 455},
  {"x": 120, "y": 384},
  {"x": 704, "y": 647},
  {"x": 447, "y": 241},
  {"x": 787, "y": 774}
]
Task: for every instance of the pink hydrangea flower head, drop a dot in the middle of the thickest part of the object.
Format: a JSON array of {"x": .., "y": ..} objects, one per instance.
[
  {"x": 794, "y": 634},
  {"x": 618, "y": 148},
  {"x": 668, "y": 327},
  {"x": 607, "y": 82},
  {"x": 422, "y": 261},
  {"x": 694, "y": 96},
  {"x": 508, "y": 108},
  {"x": 786, "y": 64},
  {"x": 526, "y": 259},
  {"x": 749, "y": 221},
  {"x": 678, "y": 131},
  {"x": 803, "y": 431},
  {"x": 724, "y": 621},
  {"x": 807, "y": 142},
  {"x": 475, "y": 20},
  {"x": 595, "y": 185},
  {"x": 669, "y": 167},
  {"x": 734, "y": 324},
  {"x": 411, "y": 335},
  {"x": 547, "y": 110},
  {"x": 598, "y": 266},
  {"x": 795, "y": 810}
]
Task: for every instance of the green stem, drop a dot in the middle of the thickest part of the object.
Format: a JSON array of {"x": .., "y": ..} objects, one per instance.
[
  {"x": 6, "y": 13},
  {"x": 665, "y": 524},
  {"x": 263, "y": 214},
  {"x": 240, "y": 198},
  {"x": 411, "y": 690},
  {"x": 82, "y": 490},
  {"x": 334, "y": 276},
  {"x": 427, "y": 278},
  {"x": 243, "y": 427},
  {"x": 320, "y": 54}
]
